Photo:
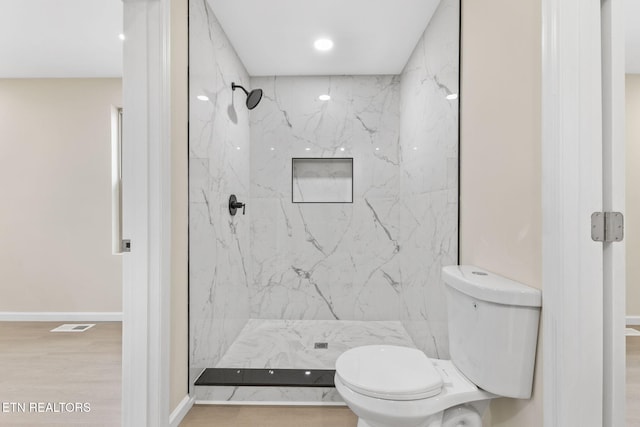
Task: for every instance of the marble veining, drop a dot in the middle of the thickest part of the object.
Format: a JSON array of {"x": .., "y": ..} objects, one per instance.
[{"x": 326, "y": 261}]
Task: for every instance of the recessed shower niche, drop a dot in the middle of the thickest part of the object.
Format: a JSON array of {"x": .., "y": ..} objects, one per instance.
[
  {"x": 352, "y": 197},
  {"x": 322, "y": 180}
]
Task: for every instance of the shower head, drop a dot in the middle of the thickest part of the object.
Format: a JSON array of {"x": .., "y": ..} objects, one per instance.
[{"x": 253, "y": 97}]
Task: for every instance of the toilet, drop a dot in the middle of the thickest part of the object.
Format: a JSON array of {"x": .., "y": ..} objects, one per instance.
[{"x": 493, "y": 330}]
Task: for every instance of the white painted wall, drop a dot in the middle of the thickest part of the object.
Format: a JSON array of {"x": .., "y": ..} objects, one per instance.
[
  {"x": 500, "y": 182},
  {"x": 55, "y": 223},
  {"x": 632, "y": 220}
]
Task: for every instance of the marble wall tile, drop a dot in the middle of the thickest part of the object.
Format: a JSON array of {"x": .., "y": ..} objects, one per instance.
[
  {"x": 360, "y": 121},
  {"x": 429, "y": 178},
  {"x": 428, "y": 120},
  {"x": 326, "y": 261},
  {"x": 219, "y": 244},
  {"x": 333, "y": 261}
]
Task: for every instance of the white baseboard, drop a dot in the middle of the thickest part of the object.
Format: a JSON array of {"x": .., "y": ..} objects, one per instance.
[
  {"x": 59, "y": 316},
  {"x": 266, "y": 403},
  {"x": 633, "y": 320},
  {"x": 181, "y": 411}
]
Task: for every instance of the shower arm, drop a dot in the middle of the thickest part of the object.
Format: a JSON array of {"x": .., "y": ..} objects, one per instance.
[{"x": 234, "y": 86}]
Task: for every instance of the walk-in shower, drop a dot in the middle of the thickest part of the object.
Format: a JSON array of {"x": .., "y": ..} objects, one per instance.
[{"x": 351, "y": 201}]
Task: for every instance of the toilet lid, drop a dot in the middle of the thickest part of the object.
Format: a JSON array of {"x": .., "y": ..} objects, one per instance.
[{"x": 389, "y": 372}]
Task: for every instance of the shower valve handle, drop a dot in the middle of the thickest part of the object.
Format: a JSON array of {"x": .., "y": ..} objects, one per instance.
[{"x": 234, "y": 205}]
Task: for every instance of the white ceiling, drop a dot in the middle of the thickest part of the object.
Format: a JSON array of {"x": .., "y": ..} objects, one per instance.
[
  {"x": 79, "y": 38},
  {"x": 60, "y": 38},
  {"x": 275, "y": 37},
  {"x": 632, "y": 30}
]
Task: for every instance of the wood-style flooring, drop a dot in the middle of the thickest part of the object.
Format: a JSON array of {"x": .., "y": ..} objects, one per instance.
[
  {"x": 269, "y": 416},
  {"x": 44, "y": 367},
  {"x": 38, "y": 366}
]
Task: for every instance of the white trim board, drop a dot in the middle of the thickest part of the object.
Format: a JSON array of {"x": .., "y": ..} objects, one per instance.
[
  {"x": 633, "y": 320},
  {"x": 60, "y": 316},
  {"x": 181, "y": 411},
  {"x": 146, "y": 201},
  {"x": 613, "y": 200}
]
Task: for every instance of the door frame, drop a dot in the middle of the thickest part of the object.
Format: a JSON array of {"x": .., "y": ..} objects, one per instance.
[
  {"x": 572, "y": 315},
  {"x": 581, "y": 352},
  {"x": 146, "y": 213},
  {"x": 614, "y": 177}
]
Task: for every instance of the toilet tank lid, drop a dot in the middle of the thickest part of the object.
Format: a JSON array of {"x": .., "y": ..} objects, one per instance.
[{"x": 486, "y": 286}]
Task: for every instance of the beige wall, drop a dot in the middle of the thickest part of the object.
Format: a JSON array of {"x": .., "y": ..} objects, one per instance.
[
  {"x": 55, "y": 221},
  {"x": 632, "y": 232},
  {"x": 500, "y": 176},
  {"x": 179, "y": 219}
]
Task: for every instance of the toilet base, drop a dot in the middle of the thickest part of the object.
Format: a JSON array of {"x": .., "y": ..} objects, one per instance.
[
  {"x": 433, "y": 421},
  {"x": 466, "y": 415},
  {"x": 430, "y": 423}
]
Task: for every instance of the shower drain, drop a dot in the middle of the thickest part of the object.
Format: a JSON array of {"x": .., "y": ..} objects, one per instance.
[{"x": 322, "y": 345}]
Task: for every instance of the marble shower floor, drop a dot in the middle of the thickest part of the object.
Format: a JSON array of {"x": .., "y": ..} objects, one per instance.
[{"x": 290, "y": 344}]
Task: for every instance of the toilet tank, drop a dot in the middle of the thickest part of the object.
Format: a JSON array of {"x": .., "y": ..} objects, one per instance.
[{"x": 493, "y": 329}]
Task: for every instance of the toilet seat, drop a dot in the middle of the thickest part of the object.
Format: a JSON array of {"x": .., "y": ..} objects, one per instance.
[{"x": 389, "y": 372}]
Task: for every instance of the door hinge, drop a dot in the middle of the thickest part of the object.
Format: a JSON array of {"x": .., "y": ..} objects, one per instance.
[
  {"x": 125, "y": 245},
  {"x": 607, "y": 226}
]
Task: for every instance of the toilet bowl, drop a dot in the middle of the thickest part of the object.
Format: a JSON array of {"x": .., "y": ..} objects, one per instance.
[
  {"x": 493, "y": 330},
  {"x": 401, "y": 387}
]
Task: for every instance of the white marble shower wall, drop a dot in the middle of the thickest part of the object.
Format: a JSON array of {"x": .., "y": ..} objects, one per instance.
[
  {"x": 429, "y": 178},
  {"x": 219, "y": 244},
  {"x": 326, "y": 260}
]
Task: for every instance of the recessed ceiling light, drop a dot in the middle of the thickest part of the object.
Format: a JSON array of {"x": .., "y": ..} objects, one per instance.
[
  {"x": 377, "y": 149},
  {"x": 415, "y": 148},
  {"x": 307, "y": 149},
  {"x": 324, "y": 97},
  {"x": 121, "y": 36},
  {"x": 203, "y": 97},
  {"x": 272, "y": 149},
  {"x": 237, "y": 148},
  {"x": 452, "y": 96},
  {"x": 341, "y": 148},
  {"x": 323, "y": 44}
]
